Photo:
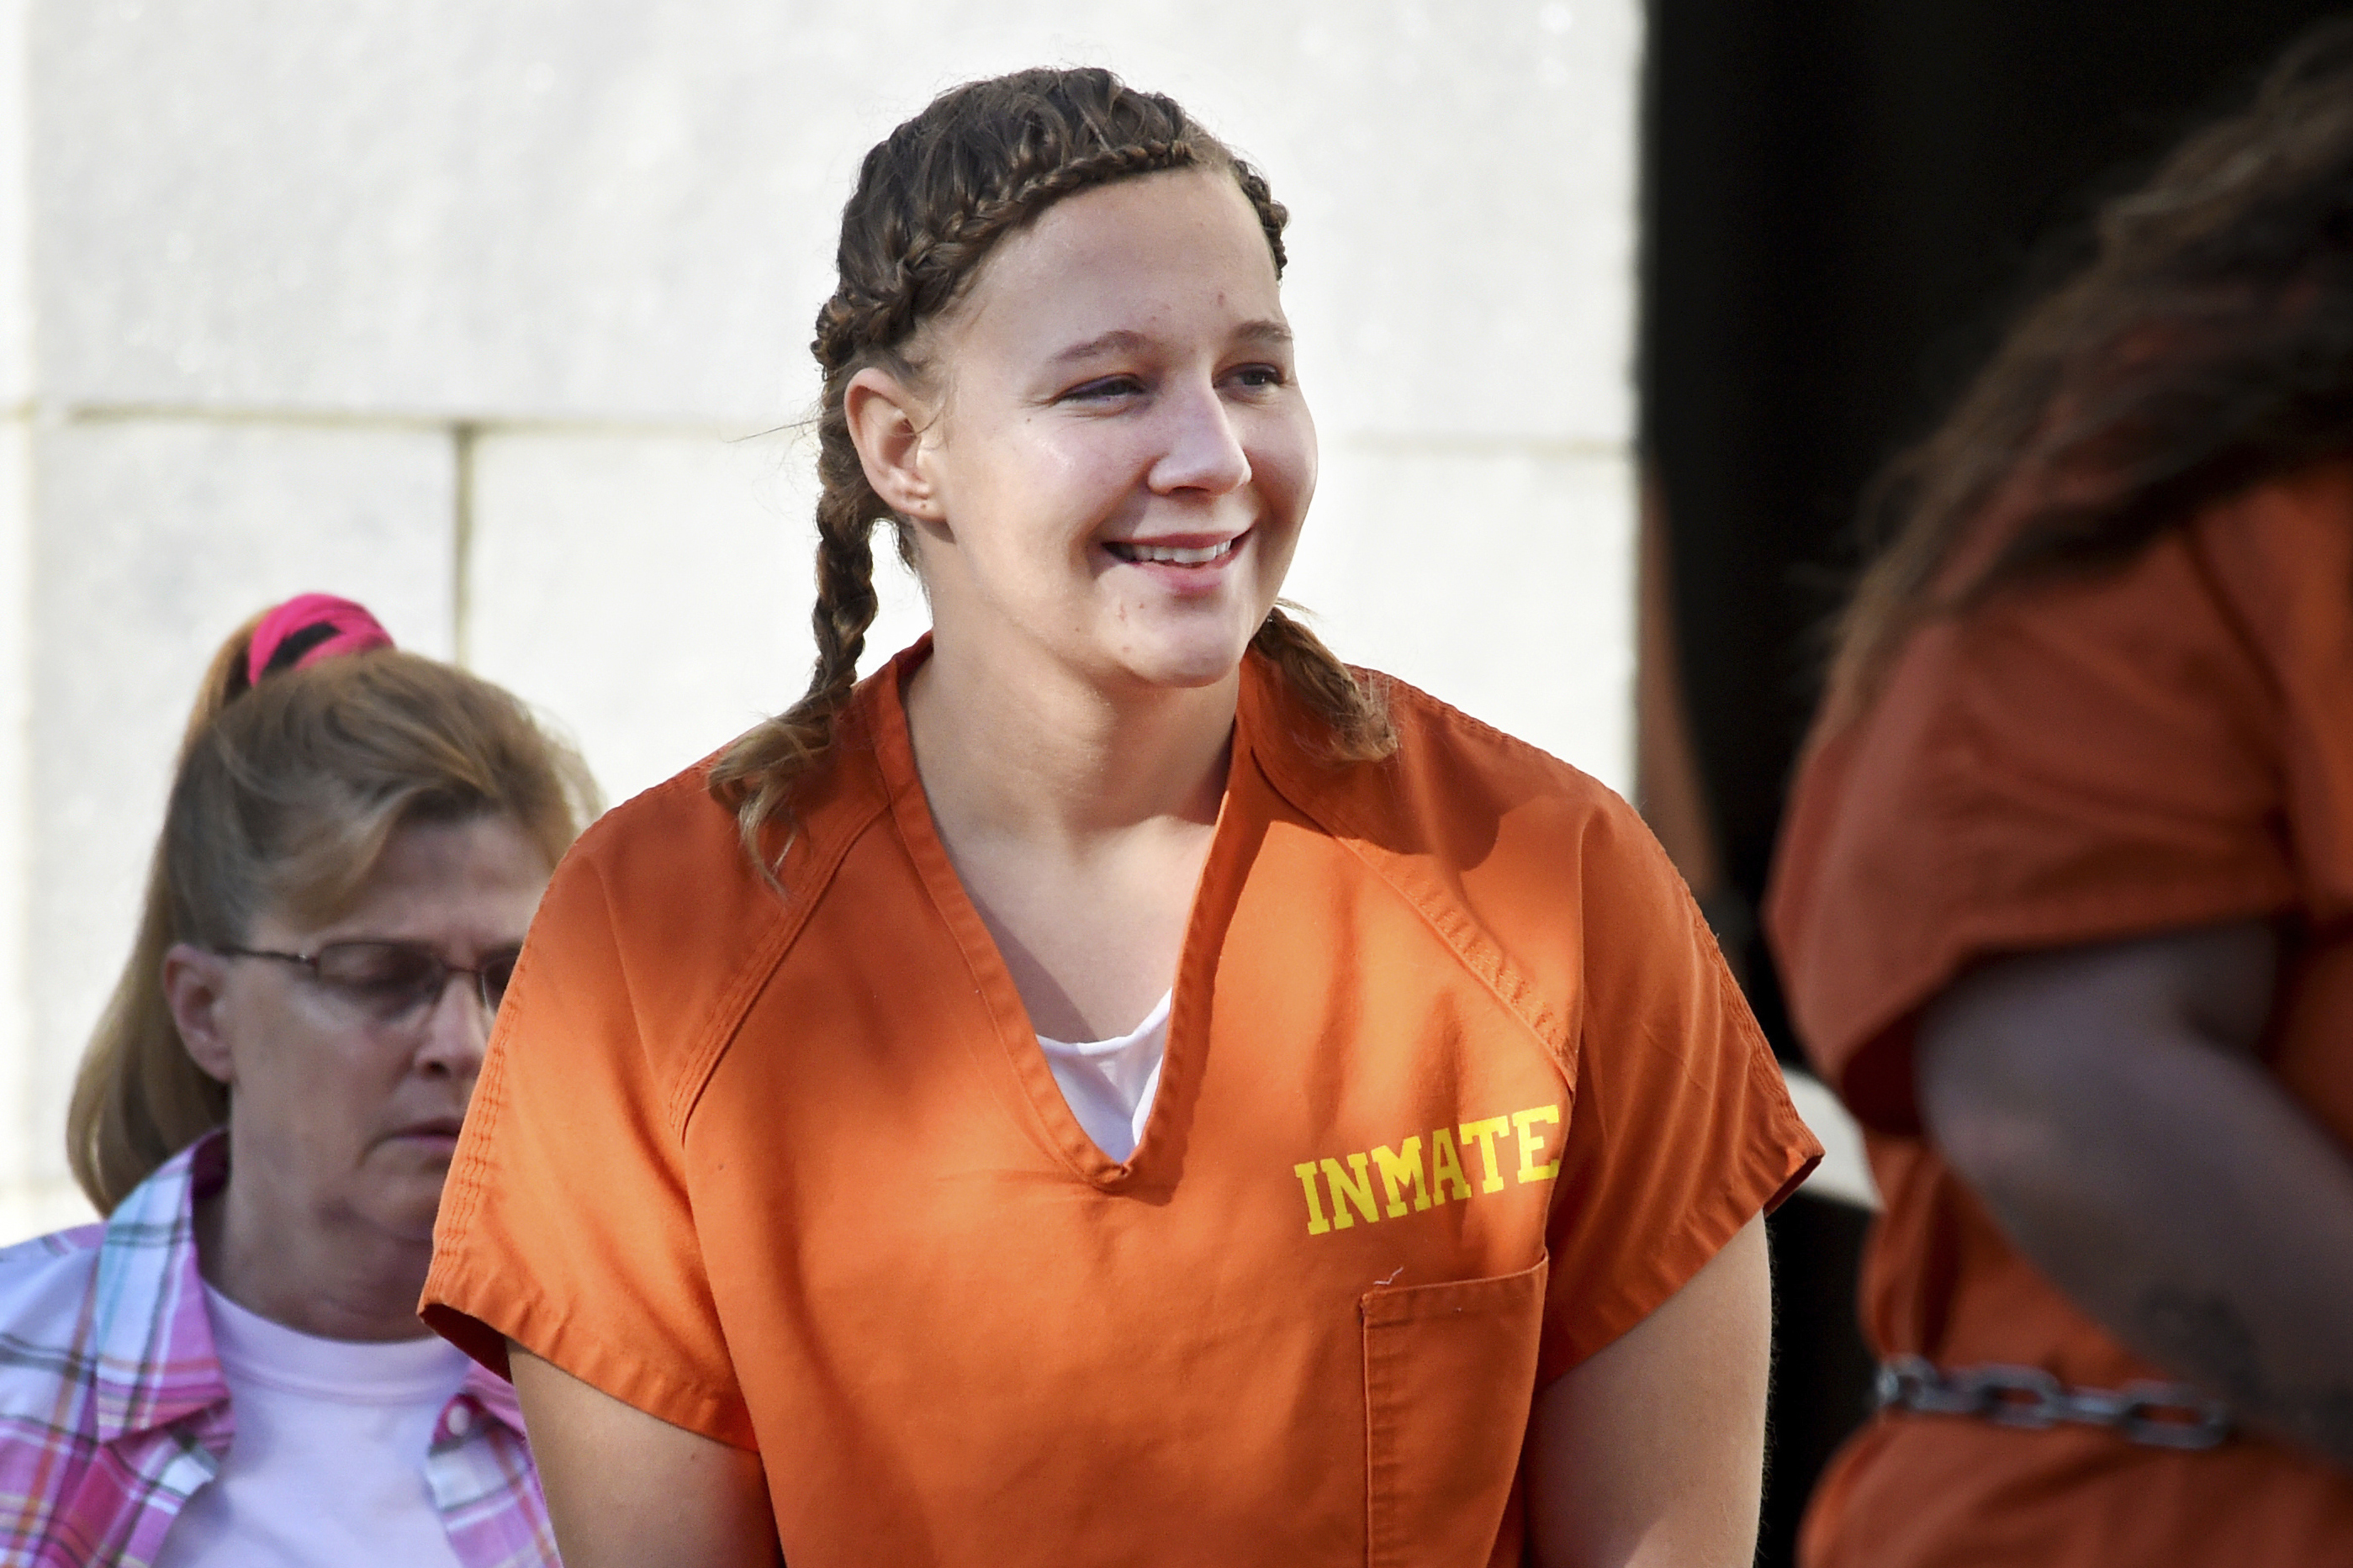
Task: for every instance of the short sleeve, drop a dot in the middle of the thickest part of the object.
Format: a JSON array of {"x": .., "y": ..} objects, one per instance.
[
  {"x": 1680, "y": 1127},
  {"x": 566, "y": 1224},
  {"x": 2155, "y": 747}
]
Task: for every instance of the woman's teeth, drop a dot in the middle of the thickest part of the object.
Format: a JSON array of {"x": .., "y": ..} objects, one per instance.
[{"x": 1177, "y": 555}]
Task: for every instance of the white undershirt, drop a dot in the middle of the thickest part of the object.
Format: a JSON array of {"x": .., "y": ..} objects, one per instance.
[
  {"x": 327, "y": 1469},
  {"x": 1110, "y": 1083}
]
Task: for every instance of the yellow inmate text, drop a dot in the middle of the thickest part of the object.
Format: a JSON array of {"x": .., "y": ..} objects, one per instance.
[{"x": 1387, "y": 1184}]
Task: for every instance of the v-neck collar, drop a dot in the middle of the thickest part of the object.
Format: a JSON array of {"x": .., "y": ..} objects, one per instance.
[{"x": 1017, "y": 1060}]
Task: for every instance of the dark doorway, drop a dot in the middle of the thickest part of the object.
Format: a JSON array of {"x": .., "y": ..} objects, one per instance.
[{"x": 1845, "y": 200}]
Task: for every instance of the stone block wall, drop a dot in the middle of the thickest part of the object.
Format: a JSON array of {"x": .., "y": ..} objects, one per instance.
[{"x": 493, "y": 314}]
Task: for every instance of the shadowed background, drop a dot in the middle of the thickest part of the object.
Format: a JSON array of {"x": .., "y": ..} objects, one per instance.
[{"x": 1844, "y": 201}]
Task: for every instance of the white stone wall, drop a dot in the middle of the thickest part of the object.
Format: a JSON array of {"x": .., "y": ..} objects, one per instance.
[{"x": 478, "y": 310}]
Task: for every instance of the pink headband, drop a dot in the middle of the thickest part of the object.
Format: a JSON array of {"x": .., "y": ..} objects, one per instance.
[{"x": 307, "y": 628}]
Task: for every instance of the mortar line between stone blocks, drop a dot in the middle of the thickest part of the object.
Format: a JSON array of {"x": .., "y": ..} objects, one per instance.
[
  {"x": 428, "y": 423},
  {"x": 17, "y": 801},
  {"x": 1384, "y": 443},
  {"x": 461, "y": 542}
]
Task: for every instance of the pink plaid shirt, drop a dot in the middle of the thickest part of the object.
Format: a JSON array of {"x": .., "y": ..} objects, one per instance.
[{"x": 113, "y": 1410}]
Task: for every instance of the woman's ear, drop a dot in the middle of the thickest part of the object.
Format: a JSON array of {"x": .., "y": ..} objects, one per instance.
[
  {"x": 195, "y": 989},
  {"x": 888, "y": 424}
]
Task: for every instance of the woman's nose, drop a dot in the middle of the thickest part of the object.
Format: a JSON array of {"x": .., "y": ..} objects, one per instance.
[
  {"x": 1204, "y": 450},
  {"x": 457, "y": 1028}
]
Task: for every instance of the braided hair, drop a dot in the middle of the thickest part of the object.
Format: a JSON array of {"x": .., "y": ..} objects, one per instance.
[{"x": 932, "y": 199}]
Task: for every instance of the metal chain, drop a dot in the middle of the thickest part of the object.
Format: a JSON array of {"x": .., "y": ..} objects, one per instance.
[{"x": 2160, "y": 1415}]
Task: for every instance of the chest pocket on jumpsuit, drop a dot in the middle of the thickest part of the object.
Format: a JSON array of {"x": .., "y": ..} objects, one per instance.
[{"x": 1449, "y": 1379}]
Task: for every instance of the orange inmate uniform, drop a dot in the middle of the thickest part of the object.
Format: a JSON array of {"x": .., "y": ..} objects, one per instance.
[
  {"x": 1456, "y": 1091},
  {"x": 2155, "y": 748}
]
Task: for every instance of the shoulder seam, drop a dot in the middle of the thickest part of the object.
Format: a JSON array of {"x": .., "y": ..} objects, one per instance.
[
  {"x": 1450, "y": 924},
  {"x": 2199, "y": 547},
  {"x": 1445, "y": 711},
  {"x": 726, "y": 1016}
]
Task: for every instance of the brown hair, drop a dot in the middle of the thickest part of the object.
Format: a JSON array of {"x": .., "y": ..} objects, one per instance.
[
  {"x": 982, "y": 161},
  {"x": 2206, "y": 346},
  {"x": 285, "y": 795}
]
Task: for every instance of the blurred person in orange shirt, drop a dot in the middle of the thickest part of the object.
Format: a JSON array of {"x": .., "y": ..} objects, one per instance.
[{"x": 2065, "y": 902}]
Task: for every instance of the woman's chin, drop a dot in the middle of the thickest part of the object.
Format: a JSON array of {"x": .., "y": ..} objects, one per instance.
[
  {"x": 1186, "y": 669},
  {"x": 403, "y": 1203},
  {"x": 1186, "y": 652},
  {"x": 405, "y": 1216}
]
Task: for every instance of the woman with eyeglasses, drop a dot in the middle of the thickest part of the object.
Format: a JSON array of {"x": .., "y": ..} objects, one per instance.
[{"x": 230, "y": 1369}]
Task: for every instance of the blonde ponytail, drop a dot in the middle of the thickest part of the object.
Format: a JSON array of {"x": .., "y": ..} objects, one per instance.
[
  {"x": 138, "y": 1097},
  {"x": 283, "y": 797}
]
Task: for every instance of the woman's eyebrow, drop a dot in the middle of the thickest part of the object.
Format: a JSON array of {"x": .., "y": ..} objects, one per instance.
[
  {"x": 1117, "y": 340},
  {"x": 1266, "y": 330}
]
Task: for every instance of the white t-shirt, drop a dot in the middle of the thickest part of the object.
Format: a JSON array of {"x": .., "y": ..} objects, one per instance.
[
  {"x": 1110, "y": 1083},
  {"x": 327, "y": 1469}
]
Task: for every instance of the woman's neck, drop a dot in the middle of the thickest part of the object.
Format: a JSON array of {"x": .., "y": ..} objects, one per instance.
[
  {"x": 1046, "y": 755},
  {"x": 1078, "y": 822},
  {"x": 351, "y": 1281}
]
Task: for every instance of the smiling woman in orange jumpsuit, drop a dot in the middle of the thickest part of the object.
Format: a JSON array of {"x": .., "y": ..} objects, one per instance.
[{"x": 1118, "y": 1085}]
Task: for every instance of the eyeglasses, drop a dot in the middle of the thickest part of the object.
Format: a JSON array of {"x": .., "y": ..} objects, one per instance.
[{"x": 390, "y": 981}]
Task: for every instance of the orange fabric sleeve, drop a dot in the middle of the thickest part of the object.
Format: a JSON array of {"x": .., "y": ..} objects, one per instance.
[
  {"x": 1679, "y": 1128},
  {"x": 566, "y": 1226},
  {"x": 2155, "y": 747}
]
